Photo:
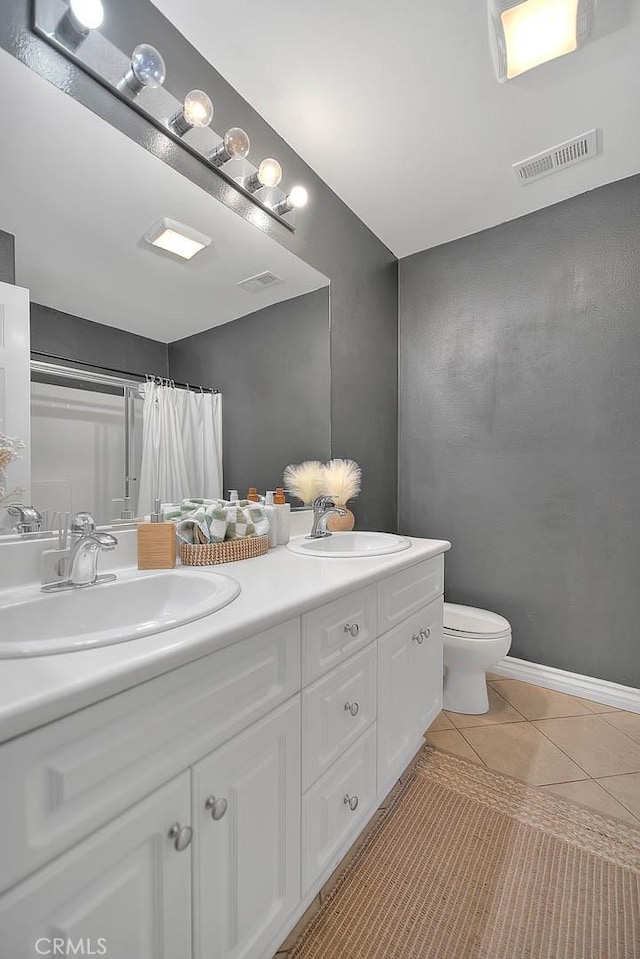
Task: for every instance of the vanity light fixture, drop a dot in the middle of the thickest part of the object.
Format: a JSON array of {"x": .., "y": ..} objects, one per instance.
[
  {"x": 295, "y": 200},
  {"x": 81, "y": 18},
  {"x": 269, "y": 173},
  {"x": 196, "y": 111},
  {"x": 176, "y": 238},
  {"x": 527, "y": 33},
  {"x": 235, "y": 144},
  {"x": 147, "y": 70}
]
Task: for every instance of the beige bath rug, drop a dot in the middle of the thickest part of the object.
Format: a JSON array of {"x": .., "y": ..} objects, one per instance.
[{"x": 469, "y": 864}]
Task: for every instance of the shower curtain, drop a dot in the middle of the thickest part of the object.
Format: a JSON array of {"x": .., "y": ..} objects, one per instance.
[{"x": 181, "y": 445}]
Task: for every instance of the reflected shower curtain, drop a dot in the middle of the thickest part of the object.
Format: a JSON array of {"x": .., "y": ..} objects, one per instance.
[{"x": 181, "y": 446}]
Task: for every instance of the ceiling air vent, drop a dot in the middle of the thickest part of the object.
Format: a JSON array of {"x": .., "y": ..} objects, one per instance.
[
  {"x": 261, "y": 281},
  {"x": 557, "y": 158}
]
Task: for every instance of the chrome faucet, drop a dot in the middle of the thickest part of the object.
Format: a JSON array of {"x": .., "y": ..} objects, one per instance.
[
  {"x": 86, "y": 544},
  {"x": 323, "y": 508},
  {"x": 29, "y": 519}
]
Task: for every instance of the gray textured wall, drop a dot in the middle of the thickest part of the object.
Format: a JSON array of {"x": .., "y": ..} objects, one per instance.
[
  {"x": 7, "y": 258},
  {"x": 273, "y": 370},
  {"x": 94, "y": 344},
  {"x": 329, "y": 236},
  {"x": 520, "y": 425}
]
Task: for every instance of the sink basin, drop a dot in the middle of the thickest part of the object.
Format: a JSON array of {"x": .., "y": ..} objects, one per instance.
[
  {"x": 33, "y": 623},
  {"x": 350, "y": 545}
]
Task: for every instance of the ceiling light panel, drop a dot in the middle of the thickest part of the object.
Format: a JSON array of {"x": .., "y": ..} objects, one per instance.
[{"x": 176, "y": 238}]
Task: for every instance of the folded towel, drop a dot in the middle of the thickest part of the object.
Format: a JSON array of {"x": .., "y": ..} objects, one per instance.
[{"x": 213, "y": 521}]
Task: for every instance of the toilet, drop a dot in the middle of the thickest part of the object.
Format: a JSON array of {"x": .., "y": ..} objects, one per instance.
[{"x": 474, "y": 641}]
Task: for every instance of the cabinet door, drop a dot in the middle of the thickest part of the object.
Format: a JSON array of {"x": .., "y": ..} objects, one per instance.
[
  {"x": 124, "y": 892},
  {"x": 409, "y": 688},
  {"x": 427, "y": 666},
  {"x": 396, "y": 695},
  {"x": 246, "y": 798}
]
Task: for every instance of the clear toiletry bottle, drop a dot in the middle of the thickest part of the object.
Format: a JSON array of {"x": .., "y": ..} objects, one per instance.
[
  {"x": 233, "y": 496},
  {"x": 273, "y": 516},
  {"x": 284, "y": 511},
  {"x": 157, "y": 541}
]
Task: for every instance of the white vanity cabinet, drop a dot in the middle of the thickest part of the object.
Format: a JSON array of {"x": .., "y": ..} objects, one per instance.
[
  {"x": 246, "y": 813},
  {"x": 195, "y": 816},
  {"x": 125, "y": 891}
]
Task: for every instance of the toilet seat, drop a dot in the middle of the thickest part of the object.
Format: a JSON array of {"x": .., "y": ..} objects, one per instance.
[{"x": 467, "y": 622}]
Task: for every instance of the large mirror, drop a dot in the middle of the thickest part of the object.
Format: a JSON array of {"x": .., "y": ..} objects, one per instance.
[{"x": 134, "y": 350}]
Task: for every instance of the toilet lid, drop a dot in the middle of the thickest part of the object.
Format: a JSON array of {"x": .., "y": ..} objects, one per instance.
[{"x": 478, "y": 622}]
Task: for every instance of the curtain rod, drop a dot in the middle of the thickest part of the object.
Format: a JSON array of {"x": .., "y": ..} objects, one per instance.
[{"x": 104, "y": 374}]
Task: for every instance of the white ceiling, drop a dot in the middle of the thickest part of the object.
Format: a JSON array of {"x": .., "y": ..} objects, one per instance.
[
  {"x": 79, "y": 195},
  {"x": 396, "y": 105}
]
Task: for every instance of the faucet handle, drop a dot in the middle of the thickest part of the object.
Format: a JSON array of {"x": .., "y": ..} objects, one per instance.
[
  {"x": 323, "y": 502},
  {"x": 82, "y": 523}
]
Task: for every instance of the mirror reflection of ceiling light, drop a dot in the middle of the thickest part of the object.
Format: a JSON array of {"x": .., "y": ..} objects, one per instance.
[
  {"x": 295, "y": 200},
  {"x": 176, "y": 238},
  {"x": 527, "y": 33},
  {"x": 81, "y": 18},
  {"x": 147, "y": 70},
  {"x": 269, "y": 173},
  {"x": 196, "y": 111},
  {"x": 235, "y": 145}
]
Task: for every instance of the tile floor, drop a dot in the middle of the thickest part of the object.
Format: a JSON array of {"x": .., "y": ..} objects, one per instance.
[
  {"x": 579, "y": 750},
  {"x": 571, "y": 747}
]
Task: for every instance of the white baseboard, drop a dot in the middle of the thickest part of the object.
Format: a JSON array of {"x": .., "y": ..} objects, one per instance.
[{"x": 597, "y": 690}]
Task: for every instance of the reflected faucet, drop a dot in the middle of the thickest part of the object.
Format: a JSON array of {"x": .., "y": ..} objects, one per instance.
[
  {"x": 29, "y": 519},
  {"x": 323, "y": 508}
]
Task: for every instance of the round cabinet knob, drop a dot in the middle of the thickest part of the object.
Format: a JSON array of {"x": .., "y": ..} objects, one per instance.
[
  {"x": 353, "y": 708},
  {"x": 352, "y": 628},
  {"x": 351, "y": 802},
  {"x": 217, "y": 807},
  {"x": 425, "y": 633},
  {"x": 181, "y": 835},
  {"x": 418, "y": 638}
]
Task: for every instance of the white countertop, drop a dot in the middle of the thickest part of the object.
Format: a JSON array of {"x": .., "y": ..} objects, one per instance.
[{"x": 274, "y": 588}]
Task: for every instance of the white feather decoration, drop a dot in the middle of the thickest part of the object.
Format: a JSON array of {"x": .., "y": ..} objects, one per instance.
[
  {"x": 304, "y": 480},
  {"x": 342, "y": 480}
]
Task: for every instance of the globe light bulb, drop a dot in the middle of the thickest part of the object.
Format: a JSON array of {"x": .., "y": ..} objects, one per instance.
[
  {"x": 269, "y": 172},
  {"x": 196, "y": 111},
  {"x": 298, "y": 197},
  {"x": 147, "y": 70},
  {"x": 235, "y": 145},
  {"x": 81, "y": 17},
  {"x": 88, "y": 13}
]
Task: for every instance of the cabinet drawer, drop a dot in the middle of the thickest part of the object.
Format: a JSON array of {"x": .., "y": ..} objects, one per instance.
[
  {"x": 66, "y": 779},
  {"x": 335, "y": 712},
  {"x": 403, "y": 594},
  {"x": 328, "y": 821},
  {"x": 333, "y": 632}
]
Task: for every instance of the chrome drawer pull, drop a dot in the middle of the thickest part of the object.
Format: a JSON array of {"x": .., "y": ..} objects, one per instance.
[
  {"x": 354, "y": 629},
  {"x": 351, "y": 802},
  {"x": 217, "y": 807},
  {"x": 182, "y": 836},
  {"x": 418, "y": 638},
  {"x": 353, "y": 708},
  {"x": 425, "y": 633}
]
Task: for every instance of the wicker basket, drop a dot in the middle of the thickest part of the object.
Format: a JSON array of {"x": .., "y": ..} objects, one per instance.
[{"x": 211, "y": 554}]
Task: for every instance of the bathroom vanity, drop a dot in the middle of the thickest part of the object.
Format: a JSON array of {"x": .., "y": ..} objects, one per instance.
[{"x": 188, "y": 793}]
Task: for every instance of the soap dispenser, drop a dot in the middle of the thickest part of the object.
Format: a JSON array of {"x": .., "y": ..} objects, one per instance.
[{"x": 157, "y": 541}]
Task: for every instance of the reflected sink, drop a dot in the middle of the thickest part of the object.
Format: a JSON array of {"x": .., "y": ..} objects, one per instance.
[
  {"x": 137, "y": 604},
  {"x": 350, "y": 545}
]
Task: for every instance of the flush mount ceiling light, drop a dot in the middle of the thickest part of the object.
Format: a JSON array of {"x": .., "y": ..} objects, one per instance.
[
  {"x": 81, "y": 18},
  {"x": 527, "y": 33},
  {"x": 176, "y": 238}
]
